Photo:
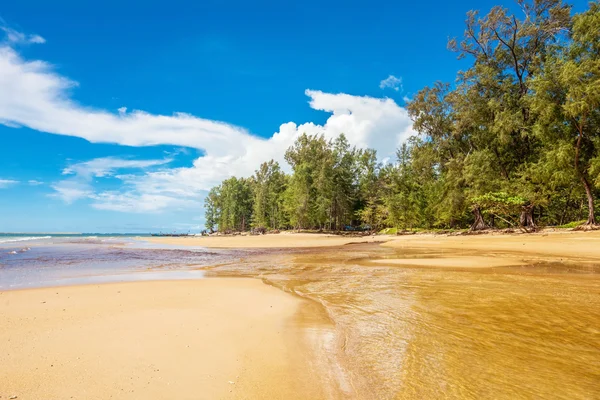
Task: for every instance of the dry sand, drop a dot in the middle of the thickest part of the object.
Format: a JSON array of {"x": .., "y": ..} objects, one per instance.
[
  {"x": 282, "y": 240},
  {"x": 207, "y": 339},
  {"x": 583, "y": 246}
]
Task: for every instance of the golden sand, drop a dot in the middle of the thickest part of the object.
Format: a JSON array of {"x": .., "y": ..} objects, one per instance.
[
  {"x": 208, "y": 339},
  {"x": 548, "y": 245}
]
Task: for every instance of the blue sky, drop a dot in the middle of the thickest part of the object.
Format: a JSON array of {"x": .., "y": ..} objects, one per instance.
[{"x": 117, "y": 116}]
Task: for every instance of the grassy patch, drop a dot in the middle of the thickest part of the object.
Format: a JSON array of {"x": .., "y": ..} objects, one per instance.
[{"x": 573, "y": 224}]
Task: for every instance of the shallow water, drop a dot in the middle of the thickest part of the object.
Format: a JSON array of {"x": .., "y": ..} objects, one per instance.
[
  {"x": 55, "y": 261},
  {"x": 528, "y": 332}
]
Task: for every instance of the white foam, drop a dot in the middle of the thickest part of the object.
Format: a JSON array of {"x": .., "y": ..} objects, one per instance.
[{"x": 11, "y": 239}]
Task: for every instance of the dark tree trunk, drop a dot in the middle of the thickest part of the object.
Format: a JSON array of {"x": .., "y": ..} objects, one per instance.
[
  {"x": 526, "y": 219},
  {"x": 582, "y": 175},
  {"x": 590, "y": 198},
  {"x": 479, "y": 223}
]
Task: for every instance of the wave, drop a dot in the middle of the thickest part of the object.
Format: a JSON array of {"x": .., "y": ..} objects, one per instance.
[{"x": 22, "y": 239}]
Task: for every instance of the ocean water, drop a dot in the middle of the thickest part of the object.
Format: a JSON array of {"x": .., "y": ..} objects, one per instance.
[{"x": 55, "y": 260}]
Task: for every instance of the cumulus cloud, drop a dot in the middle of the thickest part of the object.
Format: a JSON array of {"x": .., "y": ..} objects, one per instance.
[
  {"x": 15, "y": 37},
  {"x": 35, "y": 96},
  {"x": 4, "y": 183},
  {"x": 391, "y": 82}
]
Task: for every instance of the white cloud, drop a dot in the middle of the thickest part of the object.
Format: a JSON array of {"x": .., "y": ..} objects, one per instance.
[
  {"x": 35, "y": 96},
  {"x": 71, "y": 190},
  {"x": 15, "y": 37},
  {"x": 79, "y": 186},
  {"x": 34, "y": 182},
  {"x": 4, "y": 183},
  {"x": 140, "y": 202},
  {"x": 391, "y": 82},
  {"x": 107, "y": 166}
]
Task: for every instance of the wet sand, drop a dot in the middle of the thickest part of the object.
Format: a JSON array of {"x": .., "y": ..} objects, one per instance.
[
  {"x": 204, "y": 339},
  {"x": 454, "y": 262},
  {"x": 524, "y": 327}
]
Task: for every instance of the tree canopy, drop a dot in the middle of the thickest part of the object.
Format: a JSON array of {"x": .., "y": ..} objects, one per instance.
[{"x": 514, "y": 141}]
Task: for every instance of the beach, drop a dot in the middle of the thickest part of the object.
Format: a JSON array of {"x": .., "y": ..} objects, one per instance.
[
  {"x": 295, "y": 316},
  {"x": 203, "y": 339}
]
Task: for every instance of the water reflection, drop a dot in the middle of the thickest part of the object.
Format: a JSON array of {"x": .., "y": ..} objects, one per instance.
[{"x": 424, "y": 333}]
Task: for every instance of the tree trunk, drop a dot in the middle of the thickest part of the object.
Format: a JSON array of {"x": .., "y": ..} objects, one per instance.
[
  {"x": 479, "y": 223},
  {"x": 590, "y": 198},
  {"x": 526, "y": 219},
  {"x": 582, "y": 174}
]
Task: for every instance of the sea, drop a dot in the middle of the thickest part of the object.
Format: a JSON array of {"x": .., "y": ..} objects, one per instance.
[{"x": 41, "y": 260}]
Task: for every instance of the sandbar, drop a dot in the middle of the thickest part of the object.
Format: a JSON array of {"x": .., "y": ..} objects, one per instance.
[
  {"x": 545, "y": 245},
  {"x": 282, "y": 240}
]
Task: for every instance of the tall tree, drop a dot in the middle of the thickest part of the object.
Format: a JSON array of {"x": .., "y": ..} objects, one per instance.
[
  {"x": 268, "y": 187},
  {"x": 567, "y": 99}
]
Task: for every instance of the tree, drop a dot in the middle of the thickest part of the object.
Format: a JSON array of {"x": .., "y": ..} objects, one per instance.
[
  {"x": 269, "y": 184},
  {"x": 211, "y": 206},
  {"x": 567, "y": 100},
  {"x": 514, "y": 141}
]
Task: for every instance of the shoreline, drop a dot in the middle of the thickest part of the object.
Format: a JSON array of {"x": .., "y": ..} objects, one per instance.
[
  {"x": 162, "y": 339},
  {"x": 269, "y": 241},
  {"x": 516, "y": 248}
]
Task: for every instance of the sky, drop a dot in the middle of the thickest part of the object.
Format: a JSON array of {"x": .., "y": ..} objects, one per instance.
[{"x": 119, "y": 116}]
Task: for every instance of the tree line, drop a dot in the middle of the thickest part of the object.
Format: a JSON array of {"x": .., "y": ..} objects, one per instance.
[{"x": 514, "y": 141}]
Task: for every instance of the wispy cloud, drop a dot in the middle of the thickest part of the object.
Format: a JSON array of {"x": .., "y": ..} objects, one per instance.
[
  {"x": 391, "y": 82},
  {"x": 15, "y": 37},
  {"x": 107, "y": 166},
  {"x": 80, "y": 186},
  {"x": 72, "y": 190},
  {"x": 132, "y": 202},
  {"x": 35, "y": 96},
  {"x": 4, "y": 183},
  {"x": 34, "y": 182}
]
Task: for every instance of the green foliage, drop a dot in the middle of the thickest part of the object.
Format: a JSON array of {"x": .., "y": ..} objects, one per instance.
[
  {"x": 269, "y": 184},
  {"x": 572, "y": 225},
  {"x": 517, "y": 137},
  {"x": 501, "y": 205}
]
